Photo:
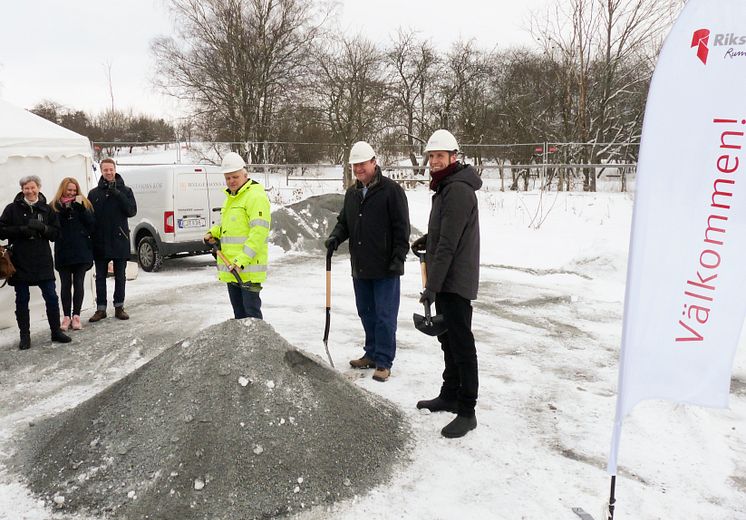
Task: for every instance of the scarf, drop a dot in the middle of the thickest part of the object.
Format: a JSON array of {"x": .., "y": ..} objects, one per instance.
[
  {"x": 442, "y": 174},
  {"x": 66, "y": 200}
]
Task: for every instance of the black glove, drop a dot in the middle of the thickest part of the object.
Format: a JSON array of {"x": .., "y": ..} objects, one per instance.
[
  {"x": 419, "y": 245},
  {"x": 36, "y": 225},
  {"x": 427, "y": 297},
  {"x": 396, "y": 265},
  {"x": 331, "y": 244},
  {"x": 26, "y": 231},
  {"x": 214, "y": 247},
  {"x": 112, "y": 187}
]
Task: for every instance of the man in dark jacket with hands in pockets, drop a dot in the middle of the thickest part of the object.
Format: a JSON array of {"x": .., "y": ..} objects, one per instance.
[
  {"x": 375, "y": 218},
  {"x": 113, "y": 203}
]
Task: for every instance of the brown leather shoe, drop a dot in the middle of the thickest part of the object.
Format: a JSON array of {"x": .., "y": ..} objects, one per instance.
[
  {"x": 98, "y": 315},
  {"x": 120, "y": 313},
  {"x": 381, "y": 374},
  {"x": 363, "y": 362}
]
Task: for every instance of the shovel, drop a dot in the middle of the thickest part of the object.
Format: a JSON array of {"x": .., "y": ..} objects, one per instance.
[
  {"x": 328, "y": 304},
  {"x": 219, "y": 254},
  {"x": 216, "y": 252},
  {"x": 430, "y": 325}
]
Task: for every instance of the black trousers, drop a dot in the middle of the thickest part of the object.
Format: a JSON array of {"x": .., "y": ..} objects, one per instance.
[
  {"x": 71, "y": 287},
  {"x": 460, "y": 377}
]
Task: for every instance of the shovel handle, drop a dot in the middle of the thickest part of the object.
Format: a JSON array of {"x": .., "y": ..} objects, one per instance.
[
  {"x": 423, "y": 272},
  {"x": 328, "y": 289},
  {"x": 428, "y": 316},
  {"x": 423, "y": 269},
  {"x": 227, "y": 263},
  {"x": 329, "y": 279}
]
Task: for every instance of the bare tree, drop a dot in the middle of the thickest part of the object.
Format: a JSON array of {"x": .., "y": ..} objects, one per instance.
[
  {"x": 350, "y": 88},
  {"x": 602, "y": 48},
  {"x": 109, "y": 83},
  {"x": 473, "y": 110},
  {"x": 236, "y": 62},
  {"x": 461, "y": 99},
  {"x": 630, "y": 36},
  {"x": 413, "y": 65},
  {"x": 526, "y": 107}
]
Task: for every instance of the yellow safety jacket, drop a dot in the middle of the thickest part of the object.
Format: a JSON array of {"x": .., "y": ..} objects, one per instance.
[{"x": 244, "y": 233}]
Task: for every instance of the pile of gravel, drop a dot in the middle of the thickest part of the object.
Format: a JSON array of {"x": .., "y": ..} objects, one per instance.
[{"x": 233, "y": 423}]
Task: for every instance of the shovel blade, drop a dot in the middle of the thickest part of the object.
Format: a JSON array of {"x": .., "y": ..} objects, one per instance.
[{"x": 435, "y": 326}]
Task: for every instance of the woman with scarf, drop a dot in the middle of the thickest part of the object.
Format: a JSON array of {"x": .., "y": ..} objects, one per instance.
[
  {"x": 29, "y": 224},
  {"x": 73, "y": 250}
]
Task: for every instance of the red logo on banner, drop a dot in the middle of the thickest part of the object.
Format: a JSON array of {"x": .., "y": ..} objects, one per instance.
[{"x": 699, "y": 40}]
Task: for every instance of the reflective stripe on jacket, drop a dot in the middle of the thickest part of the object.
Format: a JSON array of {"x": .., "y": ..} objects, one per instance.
[{"x": 244, "y": 233}]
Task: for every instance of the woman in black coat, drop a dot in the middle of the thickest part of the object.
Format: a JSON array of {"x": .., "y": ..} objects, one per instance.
[
  {"x": 29, "y": 224},
  {"x": 73, "y": 250}
]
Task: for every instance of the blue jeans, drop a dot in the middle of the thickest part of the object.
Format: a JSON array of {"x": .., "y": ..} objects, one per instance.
[
  {"x": 378, "y": 306},
  {"x": 48, "y": 292},
  {"x": 102, "y": 266},
  {"x": 246, "y": 303}
]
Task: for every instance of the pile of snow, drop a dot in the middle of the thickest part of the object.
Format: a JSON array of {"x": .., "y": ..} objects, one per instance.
[
  {"x": 547, "y": 325},
  {"x": 233, "y": 423}
]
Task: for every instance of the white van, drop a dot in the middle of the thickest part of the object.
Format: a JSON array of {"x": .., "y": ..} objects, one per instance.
[{"x": 176, "y": 205}]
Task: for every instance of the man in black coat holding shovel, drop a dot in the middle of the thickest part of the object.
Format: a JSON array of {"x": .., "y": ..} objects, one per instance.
[
  {"x": 451, "y": 248},
  {"x": 375, "y": 217}
]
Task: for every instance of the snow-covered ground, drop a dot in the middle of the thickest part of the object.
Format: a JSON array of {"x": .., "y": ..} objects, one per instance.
[{"x": 547, "y": 325}]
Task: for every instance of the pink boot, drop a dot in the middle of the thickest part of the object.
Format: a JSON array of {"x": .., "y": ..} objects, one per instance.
[
  {"x": 76, "y": 323},
  {"x": 65, "y": 323}
]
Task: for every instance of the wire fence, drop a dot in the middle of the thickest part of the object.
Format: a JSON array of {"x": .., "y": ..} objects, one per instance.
[{"x": 520, "y": 166}]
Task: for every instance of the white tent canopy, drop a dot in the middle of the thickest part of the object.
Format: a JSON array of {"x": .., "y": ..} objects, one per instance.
[
  {"x": 31, "y": 145},
  {"x": 23, "y": 134}
]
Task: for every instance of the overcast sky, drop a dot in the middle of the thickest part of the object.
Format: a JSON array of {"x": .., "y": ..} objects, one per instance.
[{"x": 50, "y": 49}]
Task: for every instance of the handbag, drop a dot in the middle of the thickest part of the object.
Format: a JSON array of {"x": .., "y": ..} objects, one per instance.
[{"x": 7, "y": 269}]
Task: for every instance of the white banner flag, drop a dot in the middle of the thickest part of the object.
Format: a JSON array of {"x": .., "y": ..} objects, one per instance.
[{"x": 686, "y": 277}]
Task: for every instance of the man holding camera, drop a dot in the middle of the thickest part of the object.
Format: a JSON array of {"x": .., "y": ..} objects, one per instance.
[{"x": 113, "y": 203}]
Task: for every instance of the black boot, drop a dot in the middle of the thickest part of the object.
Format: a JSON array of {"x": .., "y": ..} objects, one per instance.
[
  {"x": 25, "y": 342},
  {"x": 59, "y": 336},
  {"x": 439, "y": 405},
  {"x": 22, "y": 318},
  {"x": 53, "y": 318},
  {"x": 459, "y": 427}
]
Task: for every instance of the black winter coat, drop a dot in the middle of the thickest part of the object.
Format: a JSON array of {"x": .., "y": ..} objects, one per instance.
[
  {"x": 377, "y": 226},
  {"x": 453, "y": 235},
  {"x": 31, "y": 254},
  {"x": 112, "y": 206},
  {"x": 75, "y": 245}
]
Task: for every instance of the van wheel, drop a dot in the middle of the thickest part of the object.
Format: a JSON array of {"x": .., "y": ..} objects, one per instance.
[{"x": 148, "y": 256}]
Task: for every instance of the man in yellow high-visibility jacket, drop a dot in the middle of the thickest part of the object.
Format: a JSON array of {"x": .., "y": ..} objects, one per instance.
[{"x": 243, "y": 234}]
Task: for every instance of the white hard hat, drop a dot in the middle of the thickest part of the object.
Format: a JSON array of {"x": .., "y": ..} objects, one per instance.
[
  {"x": 361, "y": 152},
  {"x": 441, "y": 140},
  {"x": 232, "y": 162}
]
